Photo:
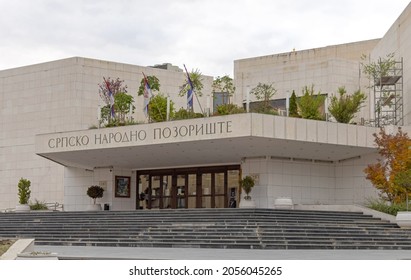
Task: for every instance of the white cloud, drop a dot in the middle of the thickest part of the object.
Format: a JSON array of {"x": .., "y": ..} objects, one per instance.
[{"x": 207, "y": 35}]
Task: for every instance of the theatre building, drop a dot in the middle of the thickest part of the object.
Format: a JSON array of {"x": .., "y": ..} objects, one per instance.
[
  {"x": 47, "y": 111},
  {"x": 198, "y": 162}
]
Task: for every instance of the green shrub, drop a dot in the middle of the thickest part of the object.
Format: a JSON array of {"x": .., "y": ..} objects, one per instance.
[
  {"x": 310, "y": 103},
  {"x": 157, "y": 109},
  {"x": 266, "y": 110},
  {"x": 383, "y": 206},
  {"x": 247, "y": 183},
  {"x": 184, "y": 114},
  {"x": 24, "y": 191},
  {"x": 38, "y": 205},
  {"x": 229, "y": 109}
]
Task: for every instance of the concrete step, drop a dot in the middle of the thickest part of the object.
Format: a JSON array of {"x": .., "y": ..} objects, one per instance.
[{"x": 208, "y": 228}]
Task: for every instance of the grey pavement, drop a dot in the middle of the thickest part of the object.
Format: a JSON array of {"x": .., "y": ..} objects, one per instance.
[{"x": 130, "y": 253}]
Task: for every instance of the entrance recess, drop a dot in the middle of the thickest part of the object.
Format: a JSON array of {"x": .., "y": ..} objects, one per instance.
[{"x": 200, "y": 187}]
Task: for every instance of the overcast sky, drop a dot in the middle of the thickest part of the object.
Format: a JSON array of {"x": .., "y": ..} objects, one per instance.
[{"x": 204, "y": 34}]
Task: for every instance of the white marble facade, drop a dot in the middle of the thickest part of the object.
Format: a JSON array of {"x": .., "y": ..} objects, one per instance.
[
  {"x": 313, "y": 162},
  {"x": 62, "y": 96}
]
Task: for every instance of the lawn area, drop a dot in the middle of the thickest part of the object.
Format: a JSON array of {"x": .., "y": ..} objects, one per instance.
[{"x": 5, "y": 245}]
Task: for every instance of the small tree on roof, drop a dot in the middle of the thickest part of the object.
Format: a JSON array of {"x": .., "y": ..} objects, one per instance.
[
  {"x": 293, "y": 109},
  {"x": 344, "y": 107}
]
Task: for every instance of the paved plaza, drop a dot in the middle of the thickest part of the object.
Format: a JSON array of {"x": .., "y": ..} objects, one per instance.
[{"x": 125, "y": 253}]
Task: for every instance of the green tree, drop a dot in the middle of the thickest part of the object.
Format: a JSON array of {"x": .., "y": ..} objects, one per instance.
[
  {"x": 344, "y": 107},
  {"x": 95, "y": 192},
  {"x": 197, "y": 80},
  {"x": 264, "y": 93},
  {"x": 403, "y": 181},
  {"x": 123, "y": 102},
  {"x": 105, "y": 117},
  {"x": 119, "y": 93},
  {"x": 377, "y": 70},
  {"x": 293, "y": 109},
  {"x": 247, "y": 183},
  {"x": 153, "y": 82},
  {"x": 157, "y": 108},
  {"x": 224, "y": 84},
  {"x": 309, "y": 104}
]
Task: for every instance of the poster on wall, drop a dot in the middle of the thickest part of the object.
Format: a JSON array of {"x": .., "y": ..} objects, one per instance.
[{"x": 122, "y": 188}]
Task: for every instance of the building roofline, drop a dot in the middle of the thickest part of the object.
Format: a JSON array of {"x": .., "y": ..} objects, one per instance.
[{"x": 309, "y": 50}]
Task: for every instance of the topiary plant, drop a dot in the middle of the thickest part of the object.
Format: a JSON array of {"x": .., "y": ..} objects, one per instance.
[
  {"x": 95, "y": 192},
  {"x": 24, "y": 191},
  {"x": 247, "y": 183}
]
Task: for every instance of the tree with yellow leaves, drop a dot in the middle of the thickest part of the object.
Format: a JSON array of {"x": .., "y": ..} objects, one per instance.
[{"x": 387, "y": 174}]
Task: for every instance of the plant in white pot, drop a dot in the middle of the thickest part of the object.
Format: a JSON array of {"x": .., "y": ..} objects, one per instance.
[
  {"x": 95, "y": 192},
  {"x": 247, "y": 183},
  {"x": 24, "y": 195}
]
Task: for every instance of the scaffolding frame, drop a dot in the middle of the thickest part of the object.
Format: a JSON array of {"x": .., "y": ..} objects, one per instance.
[{"x": 388, "y": 97}]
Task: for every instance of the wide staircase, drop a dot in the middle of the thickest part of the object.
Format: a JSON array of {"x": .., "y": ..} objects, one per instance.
[{"x": 207, "y": 228}]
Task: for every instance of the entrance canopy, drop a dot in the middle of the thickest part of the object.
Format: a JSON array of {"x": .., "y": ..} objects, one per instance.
[{"x": 214, "y": 140}]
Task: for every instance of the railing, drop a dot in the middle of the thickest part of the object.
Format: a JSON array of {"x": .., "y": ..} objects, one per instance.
[
  {"x": 55, "y": 206},
  {"x": 52, "y": 206},
  {"x": 7, "y": 210}
]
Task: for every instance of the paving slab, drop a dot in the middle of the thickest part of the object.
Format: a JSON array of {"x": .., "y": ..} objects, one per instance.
[{"x": 126, "y": 253}]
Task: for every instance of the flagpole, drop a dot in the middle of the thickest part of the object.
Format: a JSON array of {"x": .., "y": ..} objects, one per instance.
[
  {"x": 146, "y": 96},
  {"x": 168, "y": 107},
  {"x": 190, "y": 92},
  {"x": 190, "y": 83},
  {"x": 99, "y": 114},
  {"x": 199, "y": 104}
]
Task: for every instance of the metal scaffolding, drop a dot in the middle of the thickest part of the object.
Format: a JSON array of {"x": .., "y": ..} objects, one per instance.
[{"x": 388, "y": 96}]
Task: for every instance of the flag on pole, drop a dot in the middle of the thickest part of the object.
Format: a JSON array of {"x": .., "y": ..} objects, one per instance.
[
  {"x": 147, "y": 95},
  {"x": 189, "y": 92},
  {"x": 110, "y": 98}
]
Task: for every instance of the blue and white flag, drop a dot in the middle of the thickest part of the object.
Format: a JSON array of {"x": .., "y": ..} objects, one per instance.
[
  {"x": 189, "y": 92},
  {"x": 147, "y": 95},
  {"x": 110, "y": 98}
]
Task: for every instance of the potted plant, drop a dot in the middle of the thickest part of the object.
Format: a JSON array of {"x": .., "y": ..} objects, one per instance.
[
  {"x": 95, "y": 192},
  {"x": 247, "y": 183},
  {"x": 24, "y": 195}
]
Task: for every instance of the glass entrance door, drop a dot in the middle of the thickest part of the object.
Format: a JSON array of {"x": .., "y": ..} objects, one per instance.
[
  {"x": 185, "y": 191},
  {"x": 203, "y": 187},
  {"x": 214, "y": 190}
]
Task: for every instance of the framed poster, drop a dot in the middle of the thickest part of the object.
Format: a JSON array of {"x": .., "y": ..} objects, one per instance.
[{"x": 122, "y": 188}]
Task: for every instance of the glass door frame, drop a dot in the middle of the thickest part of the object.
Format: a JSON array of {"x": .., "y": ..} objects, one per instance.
[{"x": 186, "y": 172}]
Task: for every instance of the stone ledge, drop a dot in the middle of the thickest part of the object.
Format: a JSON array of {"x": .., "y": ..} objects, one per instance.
[
  {"x": 403, "y": 219},
  {"x": 349, "y": 208},
  {"x": 283, "y": 203},
  {"x": 20, "y": 246}
]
